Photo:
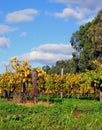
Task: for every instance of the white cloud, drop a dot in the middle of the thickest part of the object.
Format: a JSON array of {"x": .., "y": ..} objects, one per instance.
[
  {"x": 23, "y": 34},
  {"x": 92, "y": 4},
  {"x": 55, "y": 48},
  {"x": 68, "y": 13},
  {"x": 5, "y": 29},
  {"x": 48, "y": 53},
  {"x": 21, "y": 16},
  {"x": 80, "y": 10},
  {"x": 4, "y": 42}
]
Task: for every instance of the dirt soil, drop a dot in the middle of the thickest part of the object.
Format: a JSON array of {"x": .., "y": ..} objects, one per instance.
[{"x": 30, "y": 103}]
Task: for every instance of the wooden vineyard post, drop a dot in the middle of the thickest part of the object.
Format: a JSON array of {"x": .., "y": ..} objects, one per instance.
[
  {"x": 34, "y": 84},
  {"x": 100, "y": 96},
  {"x": 61, "y": 93}
]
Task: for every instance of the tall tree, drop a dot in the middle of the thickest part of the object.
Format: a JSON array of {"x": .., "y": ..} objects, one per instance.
[{"x": 88, "y": 43}]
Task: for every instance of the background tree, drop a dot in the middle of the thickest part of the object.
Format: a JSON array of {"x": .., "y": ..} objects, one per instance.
[{"x": 88, "y": 43}]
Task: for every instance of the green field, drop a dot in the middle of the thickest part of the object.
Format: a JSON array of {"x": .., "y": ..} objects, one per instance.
[{"x": 69, "y": 114}]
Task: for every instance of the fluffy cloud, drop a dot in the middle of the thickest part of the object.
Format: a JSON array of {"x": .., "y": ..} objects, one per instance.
[
  {"x": 79, "y": 10},
  {"x": 21, "y": 16},
  {"x": 48, "y": 53},
  {"x": 92, "y": 4},
  {"x": 5, "y": 29},
  {"x": 55, "y": 48},
  {"x": 68, "y": 13},
  {"x": 4, "y": 42}
]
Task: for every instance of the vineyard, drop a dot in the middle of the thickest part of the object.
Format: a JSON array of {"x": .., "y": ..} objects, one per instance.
[
  {"x": 18, "y": 82},
  {"x": 66, "y": 93}
]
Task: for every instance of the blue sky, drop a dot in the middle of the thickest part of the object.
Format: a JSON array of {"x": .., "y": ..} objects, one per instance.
[{"x": 40, "y": 30}]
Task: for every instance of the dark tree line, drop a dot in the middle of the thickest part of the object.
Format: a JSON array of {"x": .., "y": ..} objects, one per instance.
[{"x": 87, "y": 42}]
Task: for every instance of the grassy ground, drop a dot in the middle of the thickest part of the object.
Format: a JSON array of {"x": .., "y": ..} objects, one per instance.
[{"x": 69, "y": 114}]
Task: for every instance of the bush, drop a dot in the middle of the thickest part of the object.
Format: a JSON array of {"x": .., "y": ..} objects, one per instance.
[
  {"x": 89, "y": 97},
  {"x": 50, "y": 98}
]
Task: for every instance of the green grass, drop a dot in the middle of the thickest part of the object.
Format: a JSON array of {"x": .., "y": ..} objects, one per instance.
[{"x": 70, "y": 114}]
